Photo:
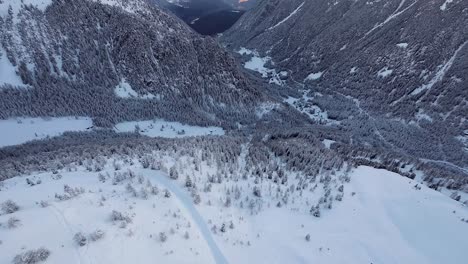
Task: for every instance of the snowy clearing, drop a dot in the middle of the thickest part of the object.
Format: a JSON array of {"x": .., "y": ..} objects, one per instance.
[
  {"x": 20, "y": 130},
  {"x": 328, "y": 143},
  {"x": 386, "y": 210},
  {"x": 128, "y": 6},
  {"x": 257, "y": 64},
  {"x": 402, "y": 45},
  {"x": 384, "y": 72},
  {"x": 125, "y": 90},
  {"x": 161, "y": 128},
  {"x": 8, "y": 73},
  {"x": 379, "y": 208},
  {"x": 443, "y": 7},
  {"x": 314, "y": 76},
  {"x": 134, "y": 241}
]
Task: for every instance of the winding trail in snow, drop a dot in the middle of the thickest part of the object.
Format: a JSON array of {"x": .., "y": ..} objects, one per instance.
[
  {"x": 187, "y": 201},
  {"x": 63, "y": 221}
]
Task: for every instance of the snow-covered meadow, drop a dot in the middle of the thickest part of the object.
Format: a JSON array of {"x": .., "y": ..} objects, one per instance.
[
  {"x": 166, "y": 129},
  {"x": 21, "y": 130},
  {"x": 257, "y": 64}
]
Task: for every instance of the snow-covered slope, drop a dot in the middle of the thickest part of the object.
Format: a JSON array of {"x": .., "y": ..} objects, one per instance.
[
  {"x": 8, "y": 73},
  {"x": 384, "y": 218}
]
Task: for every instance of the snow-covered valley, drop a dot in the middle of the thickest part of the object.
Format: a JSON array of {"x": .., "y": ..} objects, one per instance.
[{"x": 311, "y": 131}]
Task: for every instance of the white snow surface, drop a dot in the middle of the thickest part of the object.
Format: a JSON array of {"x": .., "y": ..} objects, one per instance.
[
  {"x": 314, "y": 76},
  {"x": 161, "y": 128},
  {"x": 16, "y": 5},
  {"x": 257, "y": 63},
  {"x": 21, "y": 130},
  {"x": 443, "y": 7},
  {"x": 386, "y": 221},
  {"x": 402, "y": 45},
  {"x": 133, "y": 6},
  {"x": 8, "y": 73},
  {"x": 125, "y": 90},
  {"x": 328, "y": 143},
  {"x": 385, "y": 72}
]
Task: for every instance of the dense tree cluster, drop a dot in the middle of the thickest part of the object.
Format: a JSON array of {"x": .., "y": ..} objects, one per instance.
[{"x": 32, "y": 256}]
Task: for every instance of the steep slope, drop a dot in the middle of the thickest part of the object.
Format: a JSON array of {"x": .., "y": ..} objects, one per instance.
[
  {"x": 116, "y": 61},
  {"x": 391, "y": 74}
]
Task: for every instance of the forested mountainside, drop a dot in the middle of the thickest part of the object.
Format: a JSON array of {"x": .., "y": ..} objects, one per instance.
[
  {"x": 393, "y": 70},
  {"x": 126, "y": 137},
  {"x": 71, "y": 55},
  {"x": 395, "y": 56}
]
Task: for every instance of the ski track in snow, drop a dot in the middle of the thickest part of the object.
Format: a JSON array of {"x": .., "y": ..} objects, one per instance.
[
  {"x": 186, "y": 200},
  {"x": 288, "y": 17},
  {"x": 63, "y": 221}
]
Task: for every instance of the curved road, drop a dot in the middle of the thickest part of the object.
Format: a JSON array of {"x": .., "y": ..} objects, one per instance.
[{"x": 187, "y": 201}]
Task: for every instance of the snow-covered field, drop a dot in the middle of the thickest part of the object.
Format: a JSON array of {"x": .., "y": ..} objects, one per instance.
[
  {"x": 383, "y": 218},
  {"x": 314, "y": 76},
  {"x": 257, "y": 64},
  {"x": 137, "y": 241},
  {"x": 161, "y": 128},
  {"x": 20, "y": 130},
  {"x": 125, "y": 90}
]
